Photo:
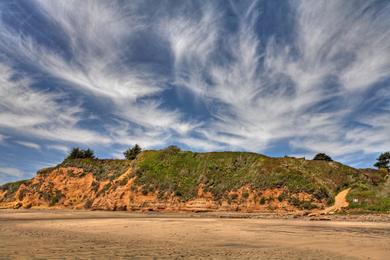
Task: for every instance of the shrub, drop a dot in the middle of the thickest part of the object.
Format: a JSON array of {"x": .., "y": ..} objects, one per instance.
[
  {"x": 89, "y": 154},
  {"x": 330, "y": 201},
  {"x": 294, "y": 201},
  {"x": 95, "y": 186},
  {"x": 321, "y": 193},
  {"x": 233, "y": 197},
  {"x": 54, "y": 198},
  {"x": 307, "y": 205},
  {"x": 282, "y": 196},
  {"x": 383, "y": 161},
  {"x": 144, "y": 190},
  {"x": 172, "y": 149},
  {"x": 88, "y": 204},
  {"x": 262, "y": 201},
  {"x": 131, "y": 153},
  {"x": 77, "y": 153},
  {"x": 375, "y": 177},
  {"x": 160, "y": 195},
  {"x": 322, "y": 157}
]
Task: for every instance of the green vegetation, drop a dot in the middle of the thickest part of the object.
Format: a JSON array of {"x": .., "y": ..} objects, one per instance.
[
  {"x": 172, "y": 171},
  {"x": 95, "y": 186},
  {"x": 77, "y": 153},
  {"x": 181, "y": 172},
  {"x": 12, "y": 187},
  {"x": 383, "y": 161},
  {"x": 322, "y": 157},
  {"x": 45, "y": 171},
  {"x": 54, "y": 198},
  {"x": 131, "y": 153},
  {"x": 282, "y": 196},
  {"x": 172, "y": 149},
  {"x": 302, "y": 204},
  {"x": 370, "y": 197},
  {"x": 101, "y": 169},
  {"x": 88, "y": 204}
]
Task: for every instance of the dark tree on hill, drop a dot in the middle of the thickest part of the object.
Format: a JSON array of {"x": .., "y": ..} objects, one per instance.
[
  {"x": 131, "y": 153},
  {"x": 322, "y": 157},
  {"x": 77, "y": 153},
  {"x": 383, "y": 161},
  {"x": 172, "y": 149},
  {"x": 88, "y": 154}
]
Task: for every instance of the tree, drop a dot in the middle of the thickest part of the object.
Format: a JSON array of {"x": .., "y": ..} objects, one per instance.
[
  {"x": 131, "y": 153},
  {"x": 74, "y": 153},
  {"x": 383, "y": 161},
  {"x": 77, "y": 153},
  {"x": 88, "y": 154},
  {"x": 322, "y": 157},
  {"x": 172, "y": 149}
]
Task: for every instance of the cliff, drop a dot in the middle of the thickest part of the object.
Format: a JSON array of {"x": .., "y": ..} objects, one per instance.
[{"x": 167, "y": 180}]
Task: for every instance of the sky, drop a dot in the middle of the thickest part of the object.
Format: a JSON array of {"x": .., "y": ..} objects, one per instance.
[{"x": 274, "y": 77}]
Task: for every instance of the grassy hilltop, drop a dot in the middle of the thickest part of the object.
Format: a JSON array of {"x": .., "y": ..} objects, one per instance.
[{"x": 180, "y": 173}]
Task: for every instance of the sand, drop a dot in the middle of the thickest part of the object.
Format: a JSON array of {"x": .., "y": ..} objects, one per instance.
[
  {"x": 340, "y": 201},
  {"x": 98, "y": 235}
]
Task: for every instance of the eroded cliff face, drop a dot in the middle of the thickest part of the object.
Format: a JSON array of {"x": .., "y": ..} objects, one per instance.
[{"x": 73, "y": 188}]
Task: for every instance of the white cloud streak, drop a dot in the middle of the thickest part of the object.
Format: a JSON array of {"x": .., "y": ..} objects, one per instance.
[
  {"x": 10, "y": 172},
  {"x": 256, "y": 102},
  {"x": 98, "y": 33},
  {"x": 58, "y": 147},
  {"x": 39, "y": 114},
  {"x": 29, "y": 144},
  {"x": 308, "y": 90}
]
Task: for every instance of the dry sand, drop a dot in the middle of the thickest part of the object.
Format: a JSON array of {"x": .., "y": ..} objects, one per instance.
[
  {"x": 97, "y": 235},
  {"x": 340, "y": 201}
]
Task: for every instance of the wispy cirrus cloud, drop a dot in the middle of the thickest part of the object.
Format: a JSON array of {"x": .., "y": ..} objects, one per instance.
[
  {"x": 29, "y": 144},
  {"x": 31, "y": 112},
  {"x": 348, "y": 39},
  {"x": 306, "y": 91},
  {"x": 204, "y": 75},
  {"x": 98, "y": 35},
  {"x": 8, "y": 171}
]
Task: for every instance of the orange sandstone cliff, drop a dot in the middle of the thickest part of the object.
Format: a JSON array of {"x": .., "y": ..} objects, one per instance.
[{"x": 183, "y": 181}]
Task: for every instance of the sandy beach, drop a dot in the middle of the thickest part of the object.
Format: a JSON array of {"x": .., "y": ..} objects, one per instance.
[{"x": 97, "y": 235}]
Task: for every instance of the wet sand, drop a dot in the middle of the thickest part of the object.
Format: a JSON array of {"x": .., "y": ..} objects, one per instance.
[{"x": 98, "y": 235}]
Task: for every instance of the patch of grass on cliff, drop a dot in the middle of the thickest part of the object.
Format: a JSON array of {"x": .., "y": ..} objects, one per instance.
[
  {"x": 180, "y": 172},
  {"x": 367, "y": 197},
  {"x": 45, "y": 171},
  {"x": 12, "y": 187},
  {"x": 101, "y": 169}
]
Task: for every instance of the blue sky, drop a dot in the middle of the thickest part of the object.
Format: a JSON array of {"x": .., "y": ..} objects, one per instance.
[{"x": 274, "y": 77}]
